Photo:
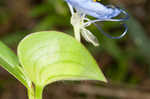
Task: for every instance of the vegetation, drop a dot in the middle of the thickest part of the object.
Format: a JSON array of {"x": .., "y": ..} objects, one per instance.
[{"x": 125, "y": 62}]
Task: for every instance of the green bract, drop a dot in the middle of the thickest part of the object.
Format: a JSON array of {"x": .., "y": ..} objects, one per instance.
[
  {"x": 46, "y": 57},
  {"x": 51, "y": 56}
]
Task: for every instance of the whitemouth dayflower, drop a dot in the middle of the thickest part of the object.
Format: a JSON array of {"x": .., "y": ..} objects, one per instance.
[{"x": 81, "y": 8}]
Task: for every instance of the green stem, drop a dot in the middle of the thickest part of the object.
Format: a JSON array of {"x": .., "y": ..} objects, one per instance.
[
  {"x": 38, "y": 92},
  {"x": 77, "y": 33},
  {"x": 35, "y": 93},
  {"x": 31, "y": 93}
]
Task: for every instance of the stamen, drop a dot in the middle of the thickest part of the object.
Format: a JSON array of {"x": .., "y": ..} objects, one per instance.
[
  {"x": 117, "y": 20},
  {"x": 96, "y": 0},
  {"x": 112, "y": 37}
]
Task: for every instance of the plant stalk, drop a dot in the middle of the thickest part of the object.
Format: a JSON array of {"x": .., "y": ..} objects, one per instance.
[
  {"x": 77, "y": 32},
  {"x": 31, "y": 93},
  {"x": 35, "y": 93},
  {"x": 38, "y": 92}
]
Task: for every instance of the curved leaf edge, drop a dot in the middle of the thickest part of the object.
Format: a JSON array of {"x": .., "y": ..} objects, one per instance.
[{"x": 15, "y": 70}]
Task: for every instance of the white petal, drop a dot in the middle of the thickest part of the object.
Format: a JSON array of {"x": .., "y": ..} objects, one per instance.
[{"x": 89, "y": 37}]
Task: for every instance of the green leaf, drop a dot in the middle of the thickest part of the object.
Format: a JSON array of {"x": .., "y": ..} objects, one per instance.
[
  {"x": 9, "y": 61},
  {"x": 51, "y": 56}
]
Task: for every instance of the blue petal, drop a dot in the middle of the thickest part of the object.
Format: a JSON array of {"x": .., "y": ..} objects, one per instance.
[{"x": 94, "y": 9}]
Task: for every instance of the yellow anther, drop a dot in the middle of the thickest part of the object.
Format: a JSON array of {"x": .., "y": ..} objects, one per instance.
[{"x": 96, "y": 0}]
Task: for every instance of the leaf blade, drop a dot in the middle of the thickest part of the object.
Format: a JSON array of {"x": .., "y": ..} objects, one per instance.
[
  {"x": 9, "y": 61},
  {"x": 52, "y": 56}
]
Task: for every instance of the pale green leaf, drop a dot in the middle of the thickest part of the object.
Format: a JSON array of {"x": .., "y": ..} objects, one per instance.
[
  {"x": 9, "y": 61},
  {"x": 51, "y": 56}
]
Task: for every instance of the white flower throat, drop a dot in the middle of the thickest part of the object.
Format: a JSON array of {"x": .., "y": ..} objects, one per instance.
[{"x": 78, "y": 21}]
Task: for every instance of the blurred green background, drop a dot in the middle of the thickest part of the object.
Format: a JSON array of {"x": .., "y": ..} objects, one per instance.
[{"x": 125, "y": 62}]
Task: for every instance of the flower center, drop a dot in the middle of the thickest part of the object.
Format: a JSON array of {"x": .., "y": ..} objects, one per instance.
[{"x": 96, "y": 0}]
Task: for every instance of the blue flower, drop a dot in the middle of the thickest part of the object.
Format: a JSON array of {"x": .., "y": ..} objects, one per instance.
[{"x": 81, "y": 8}]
